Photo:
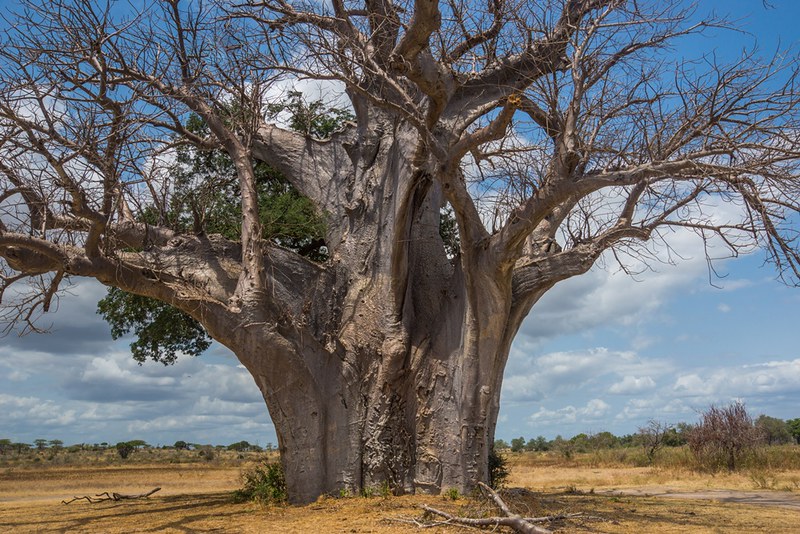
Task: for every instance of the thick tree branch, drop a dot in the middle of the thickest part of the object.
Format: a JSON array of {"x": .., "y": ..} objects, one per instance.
[
  {"x": 426, "y": 19},
  {"x": 514, "y": 72}
]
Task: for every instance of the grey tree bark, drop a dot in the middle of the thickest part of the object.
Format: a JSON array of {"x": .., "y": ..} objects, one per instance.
[{"x": 541, "y": 124}]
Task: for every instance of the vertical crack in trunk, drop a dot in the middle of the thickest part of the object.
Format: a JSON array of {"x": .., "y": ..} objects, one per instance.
[{"x": 399, "y": 384}]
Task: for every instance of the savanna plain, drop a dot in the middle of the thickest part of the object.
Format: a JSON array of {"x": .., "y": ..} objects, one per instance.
[{"x": 601, "y": 491}]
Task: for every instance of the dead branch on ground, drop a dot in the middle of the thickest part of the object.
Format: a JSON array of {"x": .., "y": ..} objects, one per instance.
[
  {"x": 105, "y": 496},
  {"x": 509, "y": 519}
]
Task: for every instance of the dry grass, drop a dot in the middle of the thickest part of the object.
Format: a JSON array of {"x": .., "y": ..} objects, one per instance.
[
  {"x": 197, "y": 498},
  {"x": 548, "y": 472}
]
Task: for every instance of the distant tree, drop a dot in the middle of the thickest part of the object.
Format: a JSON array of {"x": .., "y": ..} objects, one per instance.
[
  {"x": 500, "y": 444},
  {"x": 124, "y": 449},
  {"x": 580, "y": 442},
  {"x": 19, "y": 448},
  {"x": 240, "y": 446},
  {"x": 794, "y": 429},
  {"x": 564, "y": 446},
  {"x": 181, "y": 445},
  {"x": 674, "y": 437},
  {"x": 41, "y": 444},
  {"x": 724, "y": 436},
  {"x": 56, "y": 444},
  {"x": 207, "y": 452},
  {"x": 138, "y": 444},
  {"x": 774, "y": 431},
  {"x": 653, "y": 437},
  {"x": 683, "y": 430},
  {"x": 5, "y": 446},
  {"x": 538, "y": 444},
  {"x": 517, "y": 444},
  {"x": 603, "y": 440}
]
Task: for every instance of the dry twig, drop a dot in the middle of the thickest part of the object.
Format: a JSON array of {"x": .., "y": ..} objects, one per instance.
[{"x": 105, "y": 496}]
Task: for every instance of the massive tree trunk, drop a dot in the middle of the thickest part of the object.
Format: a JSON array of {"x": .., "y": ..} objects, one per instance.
[
  {"x": 400, "y": 385},
  {"x": 408, "y": 400}
]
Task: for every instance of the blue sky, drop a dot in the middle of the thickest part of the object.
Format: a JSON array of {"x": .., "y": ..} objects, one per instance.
[{"x": 599, "y": 352}]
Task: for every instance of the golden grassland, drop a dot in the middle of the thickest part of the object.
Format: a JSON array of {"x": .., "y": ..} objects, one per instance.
[{"x": 196, "y": 497}]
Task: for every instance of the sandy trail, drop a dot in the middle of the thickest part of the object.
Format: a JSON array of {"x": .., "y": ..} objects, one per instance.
[{"x": 782, "y": 499}]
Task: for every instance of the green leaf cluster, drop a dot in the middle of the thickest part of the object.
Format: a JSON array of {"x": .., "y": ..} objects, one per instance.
[
  {"x": 794, "y": 429},
  {"x": 205, "y": 199},
  {"x": 314, "y": 119},
  {"x": 263, "y": 483},
  {"x": 162, "y": 332}
]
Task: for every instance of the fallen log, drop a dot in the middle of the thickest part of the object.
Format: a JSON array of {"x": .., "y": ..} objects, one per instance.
[{"x": 106, "y": 496}]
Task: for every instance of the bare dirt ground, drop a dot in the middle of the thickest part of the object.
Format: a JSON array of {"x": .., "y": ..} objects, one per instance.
[
  {"x": 197, "y": 498},
  {"x": 780, "y": 499}
]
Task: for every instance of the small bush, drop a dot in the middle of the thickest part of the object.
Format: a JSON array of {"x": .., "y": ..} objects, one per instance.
[
  {"x": 453, "y": 494},
  {"x": 498, "y": 469},
  {"x": 726, "y": 437},
  {"x": 263, "y": 483},
  {"x": 124, "y": 449}
]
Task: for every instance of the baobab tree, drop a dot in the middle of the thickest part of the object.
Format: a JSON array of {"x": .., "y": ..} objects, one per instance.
[{"x": 553, "y": 131}]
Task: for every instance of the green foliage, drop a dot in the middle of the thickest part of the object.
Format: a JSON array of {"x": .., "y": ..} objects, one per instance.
[
  {"x": 263, "y": 483},
  {"x": 367, "y": 492},
  {"x": 453, "y": 494},
  {"x": 603, "y": 440},
  {"x": 539, "y": 444},
  {"x": 498, "y": 469},
  {"x": 207, "y": 193},
  {"x": 205, "y": 200},
  {"x": 775, "y": 431},
  {"x": 566, "y": 447},
  {"x": 243, "y": 446},
  {"x": 678, "y": 435},
  {"x": 314, "y": 119},
  {"x": 181, "y": 445},
  {"x": 124, "y": 449},
  {"x": 161, "y": 330},
  {"x": 580, "y": 443},
  {"x": 794, "y": 429},
  {"x": 517, "y": 444}
]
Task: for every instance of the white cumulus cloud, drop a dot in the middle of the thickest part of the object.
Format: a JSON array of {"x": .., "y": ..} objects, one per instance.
[
  {"x": 630, "y": 385},
  {"x": 594, "y": 410}
]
